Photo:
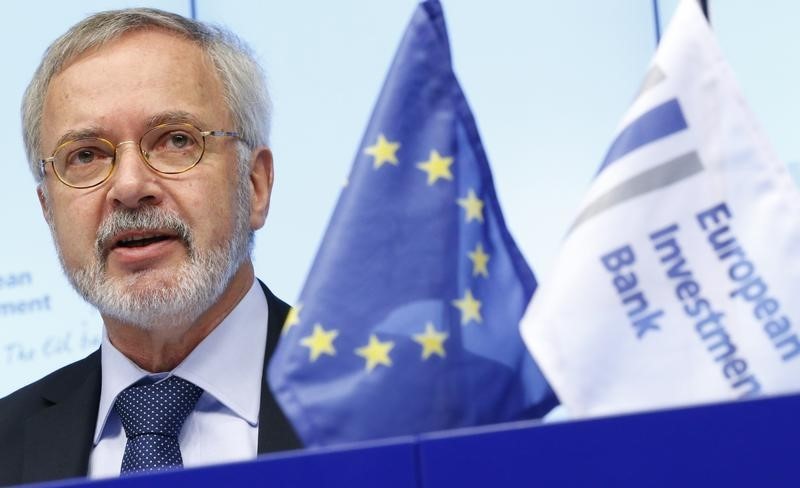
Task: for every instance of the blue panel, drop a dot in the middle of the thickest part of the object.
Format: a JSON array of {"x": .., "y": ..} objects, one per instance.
[
  {"x": 390, "y": 464},
  {"x": 664, "y": 120},
  {"x": 749, "y": 443},
  {"x": 741, "y": 444}
]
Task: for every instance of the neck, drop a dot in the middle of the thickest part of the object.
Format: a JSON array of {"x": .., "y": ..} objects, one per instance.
[{"x": 163, "y": 346}]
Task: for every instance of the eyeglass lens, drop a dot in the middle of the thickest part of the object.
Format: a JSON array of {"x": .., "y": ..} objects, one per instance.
[{"x": 169, "y": 149}]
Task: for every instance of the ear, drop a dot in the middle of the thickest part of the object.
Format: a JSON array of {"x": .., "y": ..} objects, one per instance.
[
  {"x": 261, "y": 177},
  {"x": 43, "y": 202}
]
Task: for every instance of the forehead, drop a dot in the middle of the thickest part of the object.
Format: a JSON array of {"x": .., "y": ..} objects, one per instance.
[{"x": 121, "y": 85}]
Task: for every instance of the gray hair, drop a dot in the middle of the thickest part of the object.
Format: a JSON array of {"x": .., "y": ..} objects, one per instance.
[{"x": 243, "y": 81}]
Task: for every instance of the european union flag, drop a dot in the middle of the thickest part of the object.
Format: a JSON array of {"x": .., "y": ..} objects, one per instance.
[{"x": 408, "y": 321}]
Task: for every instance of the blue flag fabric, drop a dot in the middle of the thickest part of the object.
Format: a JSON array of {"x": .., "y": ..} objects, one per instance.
[{"x": 408, "y": 321}]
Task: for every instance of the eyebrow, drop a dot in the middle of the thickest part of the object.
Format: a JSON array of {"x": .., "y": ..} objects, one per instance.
[
  {"x": 174, "y": 117},
  {"x": 77, "y": 134}
]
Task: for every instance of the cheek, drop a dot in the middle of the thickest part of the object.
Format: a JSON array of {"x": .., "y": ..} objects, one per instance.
[
  {"x": 211, "y": 208},
  {"x": 75, "y": 225}
]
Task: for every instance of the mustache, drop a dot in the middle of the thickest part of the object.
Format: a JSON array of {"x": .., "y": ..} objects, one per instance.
[{"x": 141, "y": 219}]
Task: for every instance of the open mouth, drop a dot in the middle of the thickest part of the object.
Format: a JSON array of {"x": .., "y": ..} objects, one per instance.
[{"x": 139, "y": 239}]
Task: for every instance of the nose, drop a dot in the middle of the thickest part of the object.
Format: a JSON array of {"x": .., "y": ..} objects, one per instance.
[{"x": 133, "y": 183}]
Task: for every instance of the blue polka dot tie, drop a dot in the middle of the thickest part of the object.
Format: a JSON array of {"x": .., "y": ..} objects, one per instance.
[{"x": 153, "y": 416}]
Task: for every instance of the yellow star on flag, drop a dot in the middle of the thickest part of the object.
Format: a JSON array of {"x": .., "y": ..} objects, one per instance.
[
  {"x": 473, "y": 205},
  {"x": 480, "y": 260},
  {"x": 320, "y": 342},
  {"x": 432, "y": 341},
  {"x": 470, "y": 308},
  {"x": 437, "y": 167},
  {"x": 384, "y": 151},
  {"x": 376, "y": 352},
  {"x": 292, "y": 318}
]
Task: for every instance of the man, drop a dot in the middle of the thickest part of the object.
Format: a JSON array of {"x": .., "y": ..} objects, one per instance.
[{"x": 148, "y": 133}]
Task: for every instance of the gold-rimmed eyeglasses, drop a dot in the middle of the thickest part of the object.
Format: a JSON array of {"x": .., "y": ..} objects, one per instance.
[{"x": 167, "y": 148}]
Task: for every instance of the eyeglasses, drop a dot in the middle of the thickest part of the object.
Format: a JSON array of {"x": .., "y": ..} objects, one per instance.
[{"x": 168, "y": 149}]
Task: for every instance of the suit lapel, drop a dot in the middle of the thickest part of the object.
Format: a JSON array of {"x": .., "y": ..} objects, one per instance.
[
  {"x": 66, "y": 427},
  {"x": 275, "y": 433}
]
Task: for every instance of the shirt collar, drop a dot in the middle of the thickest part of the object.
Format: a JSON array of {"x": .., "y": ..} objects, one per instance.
[{"x": 228, "y": 364}]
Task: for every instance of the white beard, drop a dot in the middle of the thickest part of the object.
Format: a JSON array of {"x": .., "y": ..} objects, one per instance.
[{"x": 149, "y": 298}]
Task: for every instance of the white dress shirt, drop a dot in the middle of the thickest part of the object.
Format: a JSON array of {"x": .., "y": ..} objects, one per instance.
[{"x": 227, "y": 365}]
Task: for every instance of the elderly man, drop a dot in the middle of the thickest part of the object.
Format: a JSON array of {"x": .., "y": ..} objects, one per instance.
[{"x": 147, "y": 133}]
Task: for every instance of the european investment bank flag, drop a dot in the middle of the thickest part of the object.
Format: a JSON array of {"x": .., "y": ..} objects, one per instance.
[
  {"x": 678, "y": 281},
  {"x": 408, "y": 321}
]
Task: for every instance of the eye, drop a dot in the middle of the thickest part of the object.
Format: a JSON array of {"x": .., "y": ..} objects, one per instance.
[
  {"x": 179, "y": 140},
  {"x": 175, "y": 140},
  {"x": 86, "y": 155}
]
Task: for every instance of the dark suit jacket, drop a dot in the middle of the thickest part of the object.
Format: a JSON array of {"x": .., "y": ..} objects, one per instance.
[{"x": 47, "y": 428}]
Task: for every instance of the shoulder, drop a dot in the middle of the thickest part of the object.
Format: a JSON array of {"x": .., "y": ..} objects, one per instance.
[
  {"x": 30, "y": 401},
  {"x": 277, "y": 307},
  {"x": 278, "y": 310},
  {"x": 38, "y": 395}
]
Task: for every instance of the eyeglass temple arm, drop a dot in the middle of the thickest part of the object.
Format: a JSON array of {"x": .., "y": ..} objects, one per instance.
[
  {"x": 42, "y": 163},
  {"x": 220, "y": 133}
]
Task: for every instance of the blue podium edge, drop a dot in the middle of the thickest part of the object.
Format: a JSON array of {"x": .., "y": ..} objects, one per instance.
[
  {"x": 742, "y": 443},
  {"x": 749, "y": 442},
  {"x": 386, "y": 462}
]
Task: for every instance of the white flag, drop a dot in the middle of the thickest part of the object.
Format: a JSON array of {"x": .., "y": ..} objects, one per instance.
[{"x": 678, "y": 282}]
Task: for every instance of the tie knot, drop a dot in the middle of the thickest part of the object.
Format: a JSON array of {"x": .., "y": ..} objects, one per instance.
[{"x": 158, "y": 408}]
